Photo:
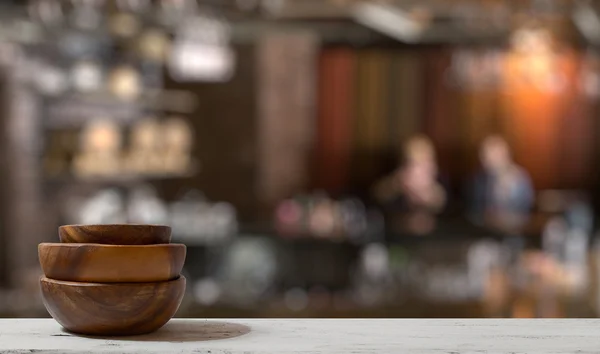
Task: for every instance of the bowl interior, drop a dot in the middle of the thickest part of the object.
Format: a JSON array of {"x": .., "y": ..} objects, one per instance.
[{"x": 115, "y": 234}]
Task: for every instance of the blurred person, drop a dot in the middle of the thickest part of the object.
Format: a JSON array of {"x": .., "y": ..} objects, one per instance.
[
  {"x": 501, "y": 193},
  {"x": 414, "y": 188}
]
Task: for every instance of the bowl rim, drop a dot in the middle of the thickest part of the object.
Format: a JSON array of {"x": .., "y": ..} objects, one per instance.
[
  {"x": 107, "y": 245},
  {"x": 115, "y": 225},
  {"x": 44, "y": 278}
]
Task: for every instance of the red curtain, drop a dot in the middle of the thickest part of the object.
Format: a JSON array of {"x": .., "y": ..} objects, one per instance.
[{"x": 335, "y": 118}]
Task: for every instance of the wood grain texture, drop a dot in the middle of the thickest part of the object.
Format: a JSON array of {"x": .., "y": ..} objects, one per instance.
[
  {"x": 85, "y": 262},
  {"x": 117, "y": 234},
  {"x": 112, "y": 309},
  {"x": 331, "y": 336}
]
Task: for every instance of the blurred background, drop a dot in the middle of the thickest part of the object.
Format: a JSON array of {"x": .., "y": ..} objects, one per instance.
[{"x": 319, "y": 158}]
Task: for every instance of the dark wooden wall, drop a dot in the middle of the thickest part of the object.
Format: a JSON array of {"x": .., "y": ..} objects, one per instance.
[{"x": 225, "y": 129}]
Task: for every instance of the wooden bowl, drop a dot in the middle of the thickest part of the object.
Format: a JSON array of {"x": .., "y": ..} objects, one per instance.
[
  {"x": 117, "y": 234},
  {"x": 112, "y": 309},
  {"x": 89, "y": 262}
]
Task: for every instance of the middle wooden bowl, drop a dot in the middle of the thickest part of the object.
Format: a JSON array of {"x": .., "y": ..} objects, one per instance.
[{"x": 95, "y": 263}]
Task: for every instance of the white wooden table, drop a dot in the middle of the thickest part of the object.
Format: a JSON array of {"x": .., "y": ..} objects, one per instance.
[{"x": 317, "y": 336}]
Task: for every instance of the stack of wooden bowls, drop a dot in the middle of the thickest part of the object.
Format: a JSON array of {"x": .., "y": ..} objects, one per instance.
[{"x": 112, "y": 279}]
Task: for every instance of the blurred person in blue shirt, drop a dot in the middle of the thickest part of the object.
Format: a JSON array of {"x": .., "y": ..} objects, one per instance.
[{"x": 501, "y": 194}]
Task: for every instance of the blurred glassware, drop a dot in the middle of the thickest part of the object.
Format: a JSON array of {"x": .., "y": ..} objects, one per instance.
[
  {"x": 74, "y": 44},
  {"x": 201, "y": 51},
  {"x": 463, "y": 273},
  {"x": 49, "y": 13},
  {"x": 124, "y": 25},
  {"x": 483, "y": 259},
  {"x": 206, "y": 291},
  {"x": 317, "y": 215},
  {"x": 195, "y": 219},
  {"x": 373, "y": 278},
  {"x": 322, "y": 218},
  {"x": 567, "y": 247},
  {"x": 579, "y": 215},
  {"x": 289, "y": 218},
  {"x": 104, "y": 207},
  {"x": 176, "y": 144},
  {"x": 144, "y": 155},
  {"x": 87, "y": 76},
  {"x": 171, "y": 12},
  {"x": 247, "y": 5},
  {"x": 125, "y": 83},
  {"x": 60, "y": 148},
  {"x": 145, "y": 207},
  {"x": 138, "y": 6},
  {"x": 353, "y": 217},
  {"x": 184, "y": 212},
  {"x": 224, "y": 220},
  {"x": 49, "y": 79},
  {"x": 249, "y": 270},
  {"x": 576, "y": 260},
  {"x": 554, "y": 238},
  {"x": 86, "y": 15},
  {"x": 476, "y": 69},
  {"x": 154, "y": 45},
  {"x": 272, "y": 7},
  {"x": 101, "y": 143},
  {"x": 579, "y": 218}
]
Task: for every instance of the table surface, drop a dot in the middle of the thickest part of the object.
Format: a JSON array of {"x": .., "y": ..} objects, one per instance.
[{"x": 234, "y": 336}]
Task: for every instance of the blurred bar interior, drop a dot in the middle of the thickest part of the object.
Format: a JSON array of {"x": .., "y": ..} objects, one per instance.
[{"x": 319, "y": 158}]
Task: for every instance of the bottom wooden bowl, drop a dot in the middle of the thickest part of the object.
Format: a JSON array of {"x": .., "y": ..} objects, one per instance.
[{"x": 112, "y": 309}]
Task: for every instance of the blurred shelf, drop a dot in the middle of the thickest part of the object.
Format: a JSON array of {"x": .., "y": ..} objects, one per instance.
[
  {"x": 123, "y": 179},
  {"x": 200, "y": 240},
  {"x": 278, "y": 309},
  {"x": 73, "y": 110},
  {"x": 448, "y": 231}
]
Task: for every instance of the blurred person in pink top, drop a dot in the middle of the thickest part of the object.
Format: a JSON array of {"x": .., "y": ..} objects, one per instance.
[{"x": 413, "y": 188}]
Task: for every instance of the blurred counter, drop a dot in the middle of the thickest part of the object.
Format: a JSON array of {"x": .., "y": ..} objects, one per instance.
[{"x": 317, "y": 336}]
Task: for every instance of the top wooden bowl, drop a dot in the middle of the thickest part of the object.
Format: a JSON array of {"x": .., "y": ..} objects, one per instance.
[{"x": 116, "y": 234}]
